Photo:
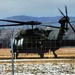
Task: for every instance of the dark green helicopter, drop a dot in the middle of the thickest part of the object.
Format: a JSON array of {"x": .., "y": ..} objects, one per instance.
[{"x": 35, "y": 40}]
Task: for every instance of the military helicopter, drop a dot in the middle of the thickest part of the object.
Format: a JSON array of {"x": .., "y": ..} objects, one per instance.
[
  {"x": 35, "y": 40},
  {"x": 28, "y": 41}
]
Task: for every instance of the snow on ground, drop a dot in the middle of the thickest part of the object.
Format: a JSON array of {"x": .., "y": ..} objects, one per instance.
[{"x": 38, "y": 69}]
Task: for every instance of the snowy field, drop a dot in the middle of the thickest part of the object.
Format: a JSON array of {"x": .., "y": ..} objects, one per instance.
[{"x": 38, "y": 69}]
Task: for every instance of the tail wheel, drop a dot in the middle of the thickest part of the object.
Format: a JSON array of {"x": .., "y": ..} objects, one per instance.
[{"x": 55, "y": 55}]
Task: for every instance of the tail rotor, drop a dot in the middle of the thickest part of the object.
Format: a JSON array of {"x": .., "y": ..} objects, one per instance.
[{"x": 67, "y": 19}]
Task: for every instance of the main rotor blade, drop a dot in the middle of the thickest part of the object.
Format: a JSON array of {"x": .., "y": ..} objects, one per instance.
[
  {"x": 27, "y": 23},
  {"x": 53, "y": 26},
  {"x": 50, "y": 26},
  {"x": 12, "y": 21},
  {"x": 66, "y": 11},
  {"x": 72, "y": 27},
  {"x": 61, "y": 12},
  {"x": 11, "y": 25}
]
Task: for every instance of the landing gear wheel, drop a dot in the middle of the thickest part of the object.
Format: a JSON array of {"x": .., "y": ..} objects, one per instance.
[
  {"x": 16, "y": 55},
  {"x": 42, "y": 55}
]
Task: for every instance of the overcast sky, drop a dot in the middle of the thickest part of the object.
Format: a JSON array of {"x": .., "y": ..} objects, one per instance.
[{"x": 35, "y": 8}]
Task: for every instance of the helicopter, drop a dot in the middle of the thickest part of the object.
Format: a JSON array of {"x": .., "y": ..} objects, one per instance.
[
  {"x": 35, "y": 40},
  {"x": 28, "y": 41}
]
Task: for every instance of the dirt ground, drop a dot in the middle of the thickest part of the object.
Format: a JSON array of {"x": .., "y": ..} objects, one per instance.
[
  {"x": 66, "y": 52},
  {"x": 40, "y": 66}
]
